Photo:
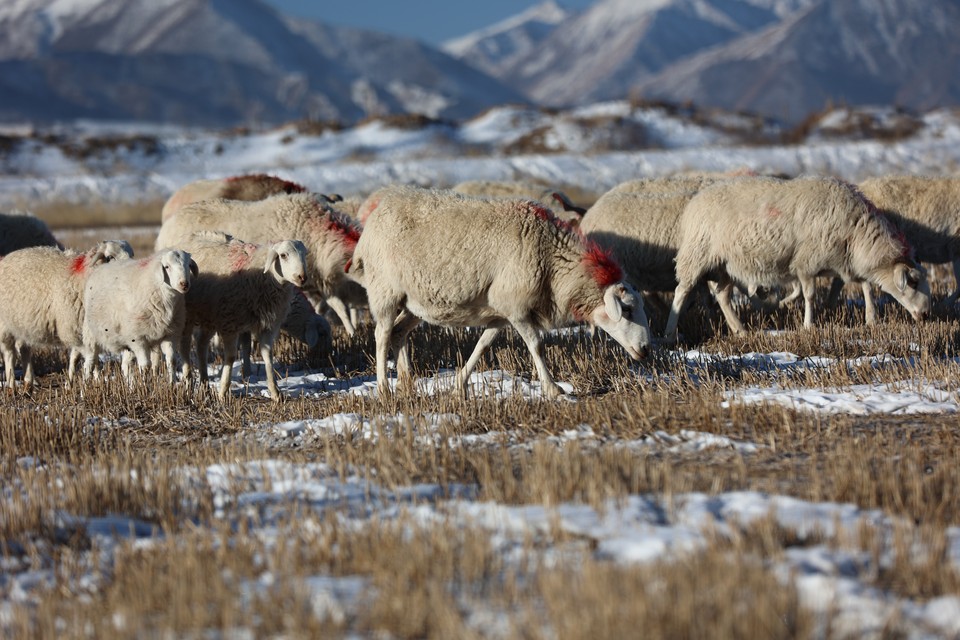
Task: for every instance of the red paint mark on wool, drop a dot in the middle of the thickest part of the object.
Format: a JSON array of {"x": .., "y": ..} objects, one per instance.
[
  {"x": 368, "y": 207},
  {"x": 906, "y": 249},
  {"x": 601, "y": 266},
  {"x": 772, "y": 212},
  {"x": 78, "y": 264},
  {"x": 349, "y": 234},
  {"x": 240, "y": 254}
]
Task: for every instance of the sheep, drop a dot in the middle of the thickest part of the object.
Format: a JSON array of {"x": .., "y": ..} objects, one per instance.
[
  {"x": 242, "y": 287},
  {"x": 460, "y": 261},
  {"x": 557, "y": 201},
  {"x": 41, "y": 301},
  {"x": 21, "y": 229},
  {"x": 927, "y": 211},
  {"x": 667, "y": 184},
  {"x": 256, "y": 186},
  {"x": 135, "y": 306},
  {"x": 768, "y": 232},
  {"x": 329, "y": 236}
]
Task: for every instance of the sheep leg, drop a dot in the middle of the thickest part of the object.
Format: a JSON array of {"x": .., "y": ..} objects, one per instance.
[
  {"x": 6, "y": 346},
  {"x": 126, "y": 362},
  {"x": 266, "y": 340},
  {"x": 723, "y": 295},
  {"x": 340, "y": 309},
  {"x": 869, "y": 304},
  {"x": 795, "y": 291},
  {"x": 403, "y": 325},
  {"x": 385, "y": 317},
  {"x": 90, "y": 356},
  {"x": 680, "y": 295},
  {"x": 836, "y": 291},
  {"x": 246, "y": 347},
  {"x": 486, "y": 339},
  {"x": 169, "y": 357},
  {"x": 186, "y": 338},
  {"x": 203, "y": 353},
  {"x": 534, "y": 344},
  {"x": 72, "y": 363},
  {"x": 229, "y": 356},
  {"x": 145, "y": 358},
  {"x": 26, "y": 359},
  {"x": 808, "y": 289}
]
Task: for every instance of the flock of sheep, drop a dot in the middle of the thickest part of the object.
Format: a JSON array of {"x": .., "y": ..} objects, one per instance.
[{"x": 247, "y": 257}]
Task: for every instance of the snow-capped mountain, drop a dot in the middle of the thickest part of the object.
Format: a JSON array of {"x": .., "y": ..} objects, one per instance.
[
  {"x": 496, "y": 48},
  {"x": 218, "y": 62},
  {"x": 853, "y": 52},
  {"x": 780, "y": 58}
]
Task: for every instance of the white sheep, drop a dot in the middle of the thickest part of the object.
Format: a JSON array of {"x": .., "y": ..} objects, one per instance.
[
  {"x": 329, "y": 236},
  {"x": 21, "y": 229},
  {"x": 242, "y": 287},
  {"x": 135, "y": 306},
  {"x": 667, "y": 184},
  {"x": 41, "y": 301},
  {"x": 927, "y": 211},
  {"x": 764, "y": 232},
  {"x": 255, "y": 186},
  {"x": 555, "y": 199},
  {"x": 459, "y": 261}
]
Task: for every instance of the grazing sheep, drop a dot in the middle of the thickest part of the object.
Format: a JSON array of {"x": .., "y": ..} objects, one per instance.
[
  {"x": 135, "y": 306},
  {"x": 329, "y": 236},
  {"x": 21, "y": 229},
  {"x": 927, "y": 211},
  {"x": 256, "y": 186},
  {"x": 459, "y": 261},
  {"x": 557, "y": 201},
  {"x": 242, "y": 287},
  {"x": 763, "y": 232},
  {"x": 41, "y": 301}
]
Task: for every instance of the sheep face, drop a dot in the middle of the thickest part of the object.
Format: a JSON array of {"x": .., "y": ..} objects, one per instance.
[
  {"x": 622, "y": 316},
  {"x": 286, "y": 260},
  {"x": 907, "y": 281},
  {"x": 177, "y": 268}
]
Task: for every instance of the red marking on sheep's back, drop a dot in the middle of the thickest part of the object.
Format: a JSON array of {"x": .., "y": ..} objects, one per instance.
[
  {"x": 78, "y": 264},
  {"x": 601, "y": 266},
  {"x": 906, "y": 249},
  {"x": 143, "y": 263},
  {"x": 772, "y": 212},
  {"x": 240, "y": 254},
  {"x": 348, "y": 234},
  {"x": 368, "y": 207}
]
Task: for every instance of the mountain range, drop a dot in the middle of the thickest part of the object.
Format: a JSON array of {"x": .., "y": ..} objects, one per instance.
[{"x": 240, "y": 62}]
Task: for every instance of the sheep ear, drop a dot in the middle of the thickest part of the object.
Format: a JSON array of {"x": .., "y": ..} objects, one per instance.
[
  {"x": 900, "y": 274},
  {"x": 194, "y": 268},
  {"x": 97, "y": 256},
  {"x": 271, "y": 258},
  {"x": 612, "y": 304}
]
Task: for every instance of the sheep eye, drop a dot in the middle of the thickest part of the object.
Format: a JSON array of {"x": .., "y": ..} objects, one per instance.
[{"x": 283, "y": 256}]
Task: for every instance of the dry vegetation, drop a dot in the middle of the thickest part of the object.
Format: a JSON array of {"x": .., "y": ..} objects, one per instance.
[{"x": 96, "y": 450}]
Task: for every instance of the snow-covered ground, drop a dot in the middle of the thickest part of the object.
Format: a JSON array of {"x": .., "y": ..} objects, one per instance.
[{"x": 638, "y": 529}]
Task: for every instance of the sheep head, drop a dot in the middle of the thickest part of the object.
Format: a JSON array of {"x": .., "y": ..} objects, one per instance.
[
  {"x": 906, "y": 281},
  {"x": 622, "y": 316},
  {"x": 110, "y": 250},
  {"x": 286, "y": 261},
  {"x": 177, "y": 269}
]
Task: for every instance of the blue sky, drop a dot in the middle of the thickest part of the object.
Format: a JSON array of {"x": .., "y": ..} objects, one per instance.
[{"x": 431, "y": 21}]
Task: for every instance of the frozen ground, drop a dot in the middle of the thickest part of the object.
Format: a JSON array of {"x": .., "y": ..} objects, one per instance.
[{"x": 637, "y": 529}]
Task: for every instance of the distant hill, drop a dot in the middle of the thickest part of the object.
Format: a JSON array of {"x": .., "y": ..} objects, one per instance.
[
  {"x": 781, "y": 58},
  {"x": 220, "y": 63}
]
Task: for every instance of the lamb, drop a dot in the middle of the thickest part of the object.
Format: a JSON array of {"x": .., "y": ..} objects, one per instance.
[
  {"x": 242, "y": 287},
  {"x": 557, "y": 201},
  {"x": 927, "y": 211},
  {"x": 41, "y": 301},
  {"x": 460, "y": 261},
  {"x": 21, "y": 229},
  {"x": 329, "y": 236},
  {"x": 135, "y": 306},
  {"x": 768, "y": 232},
  {"x": 256, "y": 186}
]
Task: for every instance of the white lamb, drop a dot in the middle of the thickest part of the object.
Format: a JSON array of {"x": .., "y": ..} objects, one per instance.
[
  {"x": 927, "y": 211},
  {"x": 41, "y": 301},
  {"x": 21, "y": 229},
  {"x": 255, "y": 186},
  {"x": 135, "y": 306},
  {"x": 329, "y": 236},
  {"x": 555, "y": 199},
  {"x": 763, "y": 232},
  {"x": 242, "y": 287},
  {"x": 459, "y": 261}
]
